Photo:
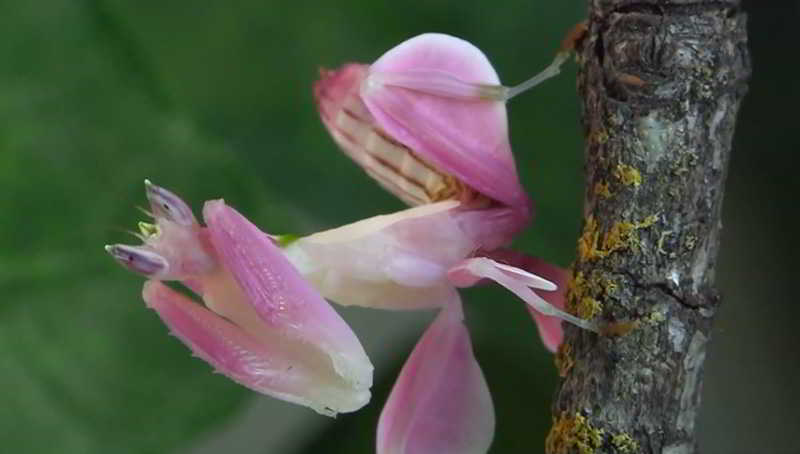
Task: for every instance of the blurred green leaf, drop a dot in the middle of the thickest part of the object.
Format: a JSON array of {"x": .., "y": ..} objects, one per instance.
[
  {"x": 213, "y": 100},
  {"x": 86, "y": 367}
]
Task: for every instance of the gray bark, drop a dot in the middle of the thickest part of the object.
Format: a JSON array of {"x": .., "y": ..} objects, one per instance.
[{"x": 661, "y": 83}]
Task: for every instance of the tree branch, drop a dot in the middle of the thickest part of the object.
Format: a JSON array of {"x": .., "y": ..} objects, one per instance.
[{"x": 661, "y": 83}]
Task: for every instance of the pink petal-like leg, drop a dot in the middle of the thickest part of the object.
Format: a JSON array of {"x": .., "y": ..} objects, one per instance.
[
  {"x": 230, "y": 350},
  {"x": 263, "y": 325},
  {"x": 519, "y": 281},
  {"x": 280, "y": 296},
  {"x": 440, "y": 402},
  {"x": 550, "y": 328}
]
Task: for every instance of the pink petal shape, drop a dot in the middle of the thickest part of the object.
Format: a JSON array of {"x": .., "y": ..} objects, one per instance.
[
  {"x": 280, "y": 297},
  {"x": 440, "y": 403},
  {"x": 520, "y": 282},
  {"x": 465, "y": 138},
  {"x": 268, "y": 368}
]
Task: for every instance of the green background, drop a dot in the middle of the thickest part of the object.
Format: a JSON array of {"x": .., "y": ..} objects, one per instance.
[{"x": 213, "y": 99}]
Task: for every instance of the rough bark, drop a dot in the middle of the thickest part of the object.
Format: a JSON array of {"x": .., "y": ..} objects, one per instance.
[{"x": 661, "y": 82}]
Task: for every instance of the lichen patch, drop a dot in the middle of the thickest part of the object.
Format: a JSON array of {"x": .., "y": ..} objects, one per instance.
[
  {"x": 563, "y": 359},
  {"x": 575, "y": 433},
  {"x": 620, "y": 236},
  {"x": 602, "y": 190},
  {"x": 584, "y": 295},
  {"x": 571, "y": 433},
  {"x": 628, "y": 175}
]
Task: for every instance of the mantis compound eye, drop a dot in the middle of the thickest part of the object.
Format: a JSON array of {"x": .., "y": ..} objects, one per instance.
[
  {"x": 167, "y": 205},
  {"x": 138, "y": 259}
]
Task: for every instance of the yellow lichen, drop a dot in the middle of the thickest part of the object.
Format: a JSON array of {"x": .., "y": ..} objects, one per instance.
[
  {"x": 589, "y": 307},
  {"x": 575, "y": 290},
  {"x": 624, "y": 443},
  {"x": 584, "y": 295},
  {"x": 563, "y": 359},
  {"x": 599, "y": 136},
  {"x": 648, "y": 221},
  {"x": 609, "y": 286},
  {"x": 601, "y": 189},
  {"x": 573, "y": 433},
  {"x": 587, "y": 243},
  {"x": 618, "y": 237},
  {"x": 628, "y": 175},
  {"x": 655, "y": 318},
  {"x": 621, "y": 236}
]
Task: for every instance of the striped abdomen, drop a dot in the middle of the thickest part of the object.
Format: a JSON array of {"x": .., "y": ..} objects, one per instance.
[{"x": 389, "y": 162}]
